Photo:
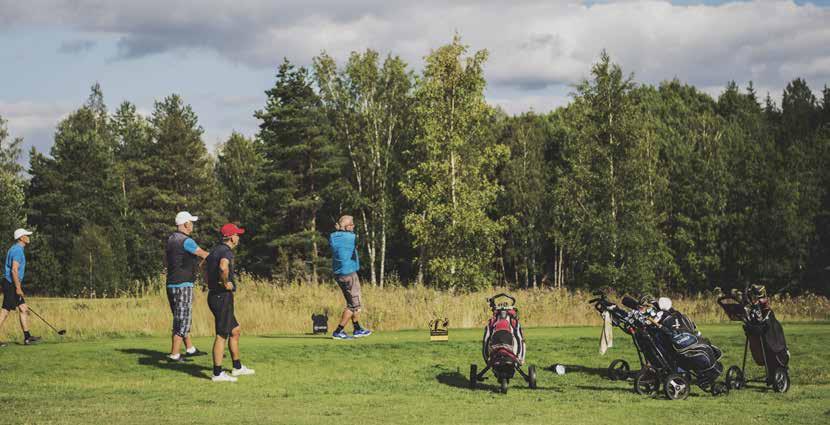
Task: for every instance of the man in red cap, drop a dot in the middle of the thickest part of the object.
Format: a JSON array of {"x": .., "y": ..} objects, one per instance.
[{"x": 221, "y": 285}]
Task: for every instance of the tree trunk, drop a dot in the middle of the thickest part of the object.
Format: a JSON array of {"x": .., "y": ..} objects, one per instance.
[
  {"x": 382, "y": 253},
  {"x": 419, "y": 279}
]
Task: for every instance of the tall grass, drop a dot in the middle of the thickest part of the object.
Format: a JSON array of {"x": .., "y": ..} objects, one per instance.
[{"x": 263, "y": 308}]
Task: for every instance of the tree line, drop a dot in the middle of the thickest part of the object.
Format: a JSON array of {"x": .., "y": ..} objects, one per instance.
[{"x": 633, "y": 186}]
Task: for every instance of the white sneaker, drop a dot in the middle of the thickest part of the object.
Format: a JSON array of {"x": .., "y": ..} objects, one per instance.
[
  {"x": 223, "y": 377},
  {"x": 242, "y": 371}
]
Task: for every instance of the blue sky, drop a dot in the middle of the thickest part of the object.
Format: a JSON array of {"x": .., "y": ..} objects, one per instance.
[{"x": 222, "y": 56}]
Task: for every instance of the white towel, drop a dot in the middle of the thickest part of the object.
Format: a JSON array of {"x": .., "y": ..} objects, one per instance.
[{"x": 606, "y": 339}]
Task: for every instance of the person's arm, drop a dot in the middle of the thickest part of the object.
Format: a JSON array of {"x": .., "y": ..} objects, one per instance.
[
  {"x": 224, "y": 273},
  {"x": 192, "y": 247},
  {"x": 16, "y": 278}
]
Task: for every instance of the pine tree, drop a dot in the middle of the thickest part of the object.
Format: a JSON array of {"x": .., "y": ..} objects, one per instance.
[
  {"x": 11, "y": 183},
  {"x": 77, "y": 188},
  {"x": 301, "y": 172},
  {"x": 238, "y": 169},
  {"x": 181, "y": 176}
]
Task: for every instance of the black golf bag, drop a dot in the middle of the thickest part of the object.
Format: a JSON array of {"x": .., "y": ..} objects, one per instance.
[
  {"x": 764, "y": 338},
  {"x": 669, "y": 354}
]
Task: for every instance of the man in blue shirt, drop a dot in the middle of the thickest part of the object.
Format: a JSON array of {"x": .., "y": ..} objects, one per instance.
[
  {"x": 345, "y": 265},
  {"x": 182, "y": 257},
  {"x": 14, "y": 270}
]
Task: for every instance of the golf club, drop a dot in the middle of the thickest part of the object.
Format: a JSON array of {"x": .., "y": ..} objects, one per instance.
[{"x": 60, "y": 332}]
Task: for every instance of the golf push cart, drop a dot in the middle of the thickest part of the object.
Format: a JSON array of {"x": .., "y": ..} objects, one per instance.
[
  {"x": 764, "y": 338},
  {"x": 503, "y": 346}
]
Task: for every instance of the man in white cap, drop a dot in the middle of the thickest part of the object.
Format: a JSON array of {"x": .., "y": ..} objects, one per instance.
[
  {"x": 182, "y": 257},
  {"x": 15, "y": 269}
]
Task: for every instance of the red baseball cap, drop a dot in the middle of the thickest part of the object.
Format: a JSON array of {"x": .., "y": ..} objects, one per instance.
[{"x": 231, "y": 229}]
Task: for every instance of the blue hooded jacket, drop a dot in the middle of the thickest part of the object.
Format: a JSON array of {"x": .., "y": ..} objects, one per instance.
[{"x": 343, "y": 253}]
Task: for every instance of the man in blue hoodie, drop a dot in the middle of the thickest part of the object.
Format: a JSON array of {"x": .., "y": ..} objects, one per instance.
[{"x": 345, "y": 265}]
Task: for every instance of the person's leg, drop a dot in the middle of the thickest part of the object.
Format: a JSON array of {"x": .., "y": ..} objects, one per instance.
[
  {"x": 218, "y": 354},
  {"x": 345, "y": 318},
  {"x": 176, "y": 346},
  {"x": 344, "y": 282},
  {"x": 23, "y": 313},
  {"x": 175, "y": 340},
  {"x": 3, "y": 315},
  {"x": 233, "y": 346},
  {"x": 356, "y": 306},
  {"x": 188, "y": 319}
]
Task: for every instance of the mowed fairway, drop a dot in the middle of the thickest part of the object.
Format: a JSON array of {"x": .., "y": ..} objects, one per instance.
[{"x": 392, "y": 377}]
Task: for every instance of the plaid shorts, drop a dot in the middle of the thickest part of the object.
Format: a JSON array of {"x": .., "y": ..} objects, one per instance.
[{"x": 181, "y": 305}]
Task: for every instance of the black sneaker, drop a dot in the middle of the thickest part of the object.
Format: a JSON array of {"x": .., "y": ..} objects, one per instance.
[
  {"x": 195, "y": 353},
  {"x": 31, "y": 340},
  {"x": 3, "y": 344}
]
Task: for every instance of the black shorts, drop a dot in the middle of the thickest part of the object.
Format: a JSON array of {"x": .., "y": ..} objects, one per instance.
[
  {"x": 221, "y": 305},
  {"x": 10, "y": 298}
]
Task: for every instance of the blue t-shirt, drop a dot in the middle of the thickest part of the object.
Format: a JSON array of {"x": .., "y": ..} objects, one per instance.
[
  {"x": 343, "y": 253},
  {"x": 190, "y": 246},
  {"x": 15, "y": 254}
]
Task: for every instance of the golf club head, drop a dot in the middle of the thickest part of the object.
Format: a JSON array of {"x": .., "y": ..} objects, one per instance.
[{"x": 62, "y": 332}]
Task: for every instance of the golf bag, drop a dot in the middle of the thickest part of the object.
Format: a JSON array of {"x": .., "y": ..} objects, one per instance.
[
  {"x": 764, "y": 338},
  {"x": 670, "y": 353},
  {"x": 503, "y": 340},
  {"x": 503, "y": 346}
]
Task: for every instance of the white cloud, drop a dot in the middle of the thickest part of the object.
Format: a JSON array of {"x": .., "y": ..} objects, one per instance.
[{"x": 534, "y": 44}]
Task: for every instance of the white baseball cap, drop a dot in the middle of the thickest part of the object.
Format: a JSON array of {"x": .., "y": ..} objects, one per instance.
[
  {"x": 183, "y": 217},
  {"x": 19, "y": 233}
]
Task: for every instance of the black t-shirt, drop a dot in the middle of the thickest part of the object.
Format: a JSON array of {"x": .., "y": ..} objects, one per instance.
[{"x": 212, "y": 270}]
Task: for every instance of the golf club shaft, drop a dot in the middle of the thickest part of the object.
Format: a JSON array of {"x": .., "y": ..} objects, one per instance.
[{"x": 44, "y": 321}]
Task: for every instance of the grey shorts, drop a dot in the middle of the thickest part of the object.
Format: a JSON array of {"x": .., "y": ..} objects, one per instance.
[
  {"x": 181, "y": 305},
  {"x": 350, "y": 285}
]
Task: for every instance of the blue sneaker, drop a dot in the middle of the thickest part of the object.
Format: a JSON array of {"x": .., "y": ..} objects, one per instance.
[
  {"x": 341, "y": 335},
  {"x": 361, "y": 333}
]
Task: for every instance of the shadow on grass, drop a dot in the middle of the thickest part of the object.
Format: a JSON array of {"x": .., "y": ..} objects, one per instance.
[
  {"x": 457, "y": 380},
  {"x": 159, "y": 359},
  {"x": 302, "y": 336}
]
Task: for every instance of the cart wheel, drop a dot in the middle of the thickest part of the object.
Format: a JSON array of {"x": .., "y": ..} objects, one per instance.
[
  {"x": 618, "y": 370},
  {"x": 676, "y": 387},
  {"x": 503, "y": 385},
  {"x": 473, "y": 376},
  {"x": 719, "y": 389},
  {"x": 647, "y": 381},
  {"x": 781, "y": 380},
  {"x": 531, "y": 376},
  {"x": 735, "y": 378}
]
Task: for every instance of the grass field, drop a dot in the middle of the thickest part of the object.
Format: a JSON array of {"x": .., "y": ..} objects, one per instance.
[{"x": 388, "y": 378}]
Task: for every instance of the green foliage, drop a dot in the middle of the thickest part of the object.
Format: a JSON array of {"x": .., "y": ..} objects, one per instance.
[
  {"x": 524, "y": 205},
  {"x": 370, "y": 106},
  {"x": 182, "y": 173},
  {"x": 300, "y": 173},
  {"x": 610, "y": 191},
  {"x": 77, "y": 185},
  {"x": 97, "y": 266},
  {"x": 452, "y": 185},
  {"x": 239, "y": 171},
  {"x": 633, "y": 186},
  {"x": 11, "y": 184}
]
